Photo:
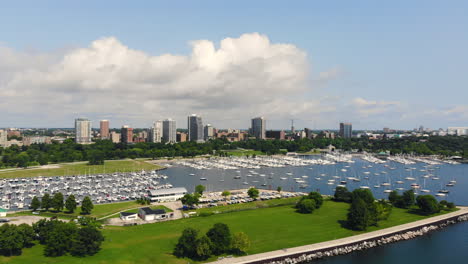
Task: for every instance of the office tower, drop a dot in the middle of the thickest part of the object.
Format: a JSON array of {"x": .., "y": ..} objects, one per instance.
[
  {"x": 346, "y": 130},
  {"x": 104, "y": 129},
  {"x": 195, "y": 128},
  {"x": 82, "y": 131},
  {"x": 126, "y": 134},
  {"x": 156, "y": 132},
  {"x": 3, "y": 138},
  {"x": 181, "y": 137},
  {"x": 169, "y": 131},
  {"x": 209, "y": 132},
  {"x": 258, "y": 127}
]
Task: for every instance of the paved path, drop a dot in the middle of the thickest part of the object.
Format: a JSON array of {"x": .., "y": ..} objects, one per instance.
[
  {"x": 342, "y": 241},
  {"x": 25, "y": 219}
]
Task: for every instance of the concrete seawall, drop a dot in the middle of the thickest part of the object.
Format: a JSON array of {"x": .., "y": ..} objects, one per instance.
[{"x": 349, "y": 244}]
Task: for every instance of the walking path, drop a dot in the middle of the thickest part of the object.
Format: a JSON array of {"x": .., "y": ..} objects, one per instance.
[{"x": 338, "y": 242}]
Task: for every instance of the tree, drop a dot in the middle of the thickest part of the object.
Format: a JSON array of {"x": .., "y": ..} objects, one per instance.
[
  {"x": 46, "y": 202},
  {"x": 57, "y": 201},
  {"x": 317, "y": 197},
  {"x": 70, "y": 203},
  {"x": 59, "y": 241},
  {"x": 240, "y": 243},
  {"x": 200, "y": 189},
  {"x": 35, "y": 203},
  {"x": 306, "y": 206},
  {"x": 225, "y": 193},
  {"x": 220, "y": 237},
  {"x": 96, "y": 157},
  {"x": 190, "y": 199},
  {"x": 86, "y": 205},
  {"x": 383, "y": 209},
  {"x": 408, "y": 198},
  {"x": 11, "y": 241},
  {"x": 427, "y": 204},
  {"x": 27, "y": 233},
  {"x": 358, "y": 215},
  {"x": 253, "y": 193},
  {"x": 203, "y": 247},
  {"x": 87, "y": 242},
  {"x": 342, "y": 194},
  {"x": 187, "y": 244},
  {"x": 279, "y": 189}
]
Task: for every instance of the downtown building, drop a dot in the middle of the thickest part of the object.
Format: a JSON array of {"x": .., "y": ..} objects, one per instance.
[
  {"x": 169, "y": 131},
  {"x": 126, "y": 134},
  {"x": 83, "y": 131},
  {"x": 258, "y": 128},
  {"x": 104, "y": 129},
  {"x": 209, "y": 132},
  {"x": 156, "y": 132},
  {"x": 346, "y": 130},
  {"x": 195, "y": 128}
]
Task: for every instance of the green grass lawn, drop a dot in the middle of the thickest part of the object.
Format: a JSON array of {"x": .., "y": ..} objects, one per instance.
[
  {"x": 81, "y": 168},
  {"x": 154, "y": 207},
  {"x": 244, "y": 152},
  {"x": 100, "y": 210},
  {"x": 268, "y": 228}
]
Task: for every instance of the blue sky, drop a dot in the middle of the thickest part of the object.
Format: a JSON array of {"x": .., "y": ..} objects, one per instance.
[{"x": 408, "y": 57}]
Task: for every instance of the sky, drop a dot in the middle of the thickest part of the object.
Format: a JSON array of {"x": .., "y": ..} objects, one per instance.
[{"x": 397, "y": 64}]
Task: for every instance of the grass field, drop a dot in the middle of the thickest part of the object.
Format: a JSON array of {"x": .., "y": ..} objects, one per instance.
[
  {"x": 80, "y": 168},
  {"x": 100, "y": 210},
  {"x": 268, "y": 228},
  {"x": 244, "y": 152}
]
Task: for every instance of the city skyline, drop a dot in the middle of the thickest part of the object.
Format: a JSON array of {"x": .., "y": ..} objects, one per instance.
[{"x": 353, "y": 64}]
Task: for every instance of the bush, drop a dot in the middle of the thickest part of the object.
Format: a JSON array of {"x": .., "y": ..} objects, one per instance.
[
  {"x": 240, "y": 243},
  {"x": 306, "y": 206},
  {"x": 317, "y": 197},
  {"x": 427, "y": 204},
  {"x": 253, "y": 193}
]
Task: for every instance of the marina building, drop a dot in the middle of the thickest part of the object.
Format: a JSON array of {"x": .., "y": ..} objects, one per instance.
[
  {"x": 169, "y": 131},
  {"x": 195, "y": 128},
  {"x": 166, "y": 195},
  {"x": 258, "y": 128},
  {"x": 83, "y": 131}
]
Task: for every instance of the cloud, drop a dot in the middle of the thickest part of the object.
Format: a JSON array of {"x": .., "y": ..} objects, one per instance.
[
  {"x": 368, "y": 107},
  {"x": 243, "y": 77}
]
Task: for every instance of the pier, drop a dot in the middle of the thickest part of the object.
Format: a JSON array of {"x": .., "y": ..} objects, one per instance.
[{"x": 349, "y": 244}]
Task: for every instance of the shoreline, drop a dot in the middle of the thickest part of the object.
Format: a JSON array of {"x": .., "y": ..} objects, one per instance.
[{"x": 349, "y": 244}]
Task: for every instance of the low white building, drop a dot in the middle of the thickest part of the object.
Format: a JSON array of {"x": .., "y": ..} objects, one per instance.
[
  {"x": 128, "y": 216},
  {"x": 166, "y": 195},
  {"x": 149, "y": 214}
]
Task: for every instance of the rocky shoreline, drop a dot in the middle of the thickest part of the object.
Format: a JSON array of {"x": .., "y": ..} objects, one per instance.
[{"x": 363, "y": 245}]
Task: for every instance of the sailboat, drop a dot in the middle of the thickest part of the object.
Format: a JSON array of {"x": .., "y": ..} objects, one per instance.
[{"x": 424, "y": 190}]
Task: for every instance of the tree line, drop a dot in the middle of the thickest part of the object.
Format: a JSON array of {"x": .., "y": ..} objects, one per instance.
[
  {"x": 69, "y": 151},
  {"x": 58, "y": 203},
  {"x": 59, "y": 238}
]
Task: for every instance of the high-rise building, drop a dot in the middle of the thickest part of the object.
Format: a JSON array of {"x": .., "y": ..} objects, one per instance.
[
  {"x": 126, "y": 134},
  {"x": 104, "y": 129},
  {"x": 82, "y": 131},
  {"x": 209, "y": 132},
  {"x": 346, "y": 130},
  {"x": 169, "y": 131},
  {"x": 195, "y": 128},
  {"x": 181, "y": 137},
  {"x": 3, "y": 138},
  {"x": 258, "y": 127},
  {"x": 115, "y": 137},
  {"x": 156, "y": 132}
]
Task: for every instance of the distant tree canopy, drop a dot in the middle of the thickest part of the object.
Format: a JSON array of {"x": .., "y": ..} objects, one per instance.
[{"x": 69, "y": 151}]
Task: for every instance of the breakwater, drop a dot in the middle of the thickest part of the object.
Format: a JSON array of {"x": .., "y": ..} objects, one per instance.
[{"x": 355, "y": 243}]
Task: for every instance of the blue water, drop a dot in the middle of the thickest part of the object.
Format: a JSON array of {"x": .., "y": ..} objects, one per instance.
[{"x": 449, "y": 245}]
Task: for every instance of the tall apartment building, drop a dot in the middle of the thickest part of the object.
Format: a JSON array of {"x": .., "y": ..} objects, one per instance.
[
  {"x": 3, "y": 138},
  {"x": 126, "y": 134},
  {"x": 169, "y": 131},
  {"x": 346, "y": 130},
  {"x": 156, "y": 132},
  {"x": 115, "y": 137},
  {"x": 258, "y": 128},
  {"x": 209, "y": 132},
  {"x": 104, "y": 129},
  {"x": 83, "y": 131},
  {"x": 195, "y": 128}
]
